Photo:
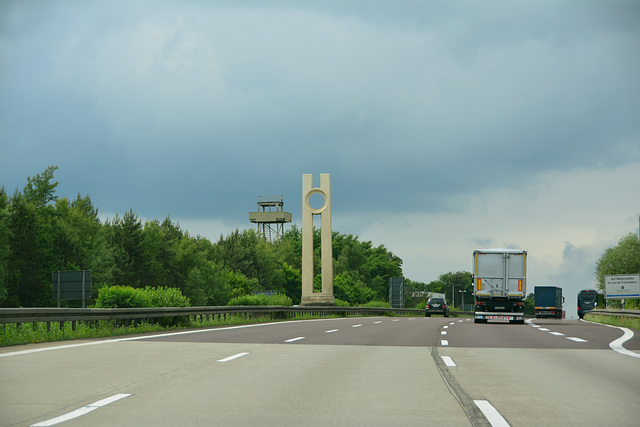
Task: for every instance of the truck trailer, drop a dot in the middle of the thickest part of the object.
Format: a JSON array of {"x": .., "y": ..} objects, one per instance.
[
  {"x": 548, "y": 301},
  {"x": 499, "y": 285}
]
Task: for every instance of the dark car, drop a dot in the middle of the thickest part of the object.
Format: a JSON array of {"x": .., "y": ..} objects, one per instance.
[{"x": 437, "y": 305}]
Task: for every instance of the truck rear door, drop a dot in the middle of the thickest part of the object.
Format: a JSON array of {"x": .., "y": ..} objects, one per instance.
[{"x": 515, "y": 266}]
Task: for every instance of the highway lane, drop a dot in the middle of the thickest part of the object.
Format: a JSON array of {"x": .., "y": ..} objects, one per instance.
[
  {"x": 539, "y": 376},
  {"x": 380, "y": 371}
]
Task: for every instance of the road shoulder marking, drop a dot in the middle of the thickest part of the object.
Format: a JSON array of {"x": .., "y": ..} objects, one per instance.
[{"x": 616, "y": 345}]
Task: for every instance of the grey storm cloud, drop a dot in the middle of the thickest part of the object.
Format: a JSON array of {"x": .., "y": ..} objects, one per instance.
[{"x": 193, "y": 107}]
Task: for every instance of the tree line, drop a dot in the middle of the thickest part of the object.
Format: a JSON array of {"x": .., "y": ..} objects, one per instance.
[{"x": 41, "y": 233}]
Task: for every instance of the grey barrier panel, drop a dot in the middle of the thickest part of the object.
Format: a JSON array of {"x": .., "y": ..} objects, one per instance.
[{"x": 396, "y": 292}]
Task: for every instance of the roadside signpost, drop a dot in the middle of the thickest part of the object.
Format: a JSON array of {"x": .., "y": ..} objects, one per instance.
[
  {"x": 622, "y": 286},
  {"x": 70, "y": 285}
]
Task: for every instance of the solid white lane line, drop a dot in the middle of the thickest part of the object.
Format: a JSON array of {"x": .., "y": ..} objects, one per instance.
[
  {"x": 66, "y": 417},
  {"x": 332, "y": 330},
  {"x": 576, "y": 339},
  {"x": 81, "y": 411},
  {"x": 491, "y": 414},
  {"x": 444, "y": 342},
  {"x": 617, "y": 344},
  {"x": 230, "y": 358},
  {"x": 108, "y": 400},
  {"x": 59, "y": 347},
  {"x": 295, "y": 339},
  {"x": 448, "y": 361}
]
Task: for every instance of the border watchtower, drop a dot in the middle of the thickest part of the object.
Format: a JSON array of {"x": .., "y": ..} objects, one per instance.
[{"x": 270, "y": 217}]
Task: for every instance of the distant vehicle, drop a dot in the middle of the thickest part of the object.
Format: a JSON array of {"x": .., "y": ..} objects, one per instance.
[
  {"x": 499, "y": 285},
  {"x": 587, "y": 301},
  {"x": 437, "y": 305},
  {"x": 548, "y": 301}
]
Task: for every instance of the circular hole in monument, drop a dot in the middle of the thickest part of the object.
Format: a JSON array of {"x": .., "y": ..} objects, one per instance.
[{"x": 316, "y": 201}]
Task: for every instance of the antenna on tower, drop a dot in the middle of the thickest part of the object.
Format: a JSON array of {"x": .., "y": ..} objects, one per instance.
[{"x": 270, "y": 217}]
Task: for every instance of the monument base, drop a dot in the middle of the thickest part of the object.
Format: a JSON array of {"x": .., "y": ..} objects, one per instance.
[{"x": 315, "y": 300}]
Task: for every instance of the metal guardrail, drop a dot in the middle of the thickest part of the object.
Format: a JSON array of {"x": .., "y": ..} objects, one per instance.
[
  {"x": 127, "y": 316},
  {"x": 617, "y": 312}
]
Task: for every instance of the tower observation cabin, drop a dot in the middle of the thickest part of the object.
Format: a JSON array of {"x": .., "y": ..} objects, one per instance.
[{"x": 270, "y": 217}]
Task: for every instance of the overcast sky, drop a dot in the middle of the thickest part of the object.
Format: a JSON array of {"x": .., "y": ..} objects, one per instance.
[{"x": 445, "y": 126}]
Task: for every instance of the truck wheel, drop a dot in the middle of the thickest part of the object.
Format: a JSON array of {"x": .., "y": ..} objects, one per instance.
[
  {"x": 427, "y": 315},
  {"x": 479, "y": 320},
  {"x": 446, "y": 315}
]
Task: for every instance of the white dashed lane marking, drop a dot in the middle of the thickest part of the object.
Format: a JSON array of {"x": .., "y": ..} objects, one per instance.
[
  {"x": 230, "y": 358},
  {"x": 81, "y": 411},
  {"x": 448, "y": 361},
  {"x": 491, "y": 413},
  {"x": 558, "y": 334}
]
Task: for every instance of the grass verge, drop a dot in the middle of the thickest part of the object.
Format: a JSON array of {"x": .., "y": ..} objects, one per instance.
[
  {"x": 625, "y": 322},
  {"x": 28, "y": 333}
]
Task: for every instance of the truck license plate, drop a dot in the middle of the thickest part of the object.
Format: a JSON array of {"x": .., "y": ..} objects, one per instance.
[{"x": 498, "y": 318}]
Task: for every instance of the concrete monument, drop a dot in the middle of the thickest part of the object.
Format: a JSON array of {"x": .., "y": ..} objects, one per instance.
[{"x": 309, "y": 297}]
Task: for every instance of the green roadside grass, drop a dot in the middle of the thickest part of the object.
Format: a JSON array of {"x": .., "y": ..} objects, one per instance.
[
  {"x": 625, "y": 322},
  {"x": 27, "y": 333}
]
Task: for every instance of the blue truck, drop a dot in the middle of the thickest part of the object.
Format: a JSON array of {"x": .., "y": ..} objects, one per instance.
[{"x": 548, "y": 301}]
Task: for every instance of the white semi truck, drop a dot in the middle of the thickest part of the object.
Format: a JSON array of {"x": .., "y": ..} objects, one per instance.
[{"x": 499, "y": 285}]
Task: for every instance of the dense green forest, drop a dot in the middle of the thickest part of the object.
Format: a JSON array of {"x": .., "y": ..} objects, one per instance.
[{"x": 41, "y": 233}]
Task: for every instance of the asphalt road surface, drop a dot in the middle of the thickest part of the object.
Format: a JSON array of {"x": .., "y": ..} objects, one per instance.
[{"x": 343, "y": 372}]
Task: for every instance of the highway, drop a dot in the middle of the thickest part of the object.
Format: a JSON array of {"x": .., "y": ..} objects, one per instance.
[{"x": 347, "y": 372}]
